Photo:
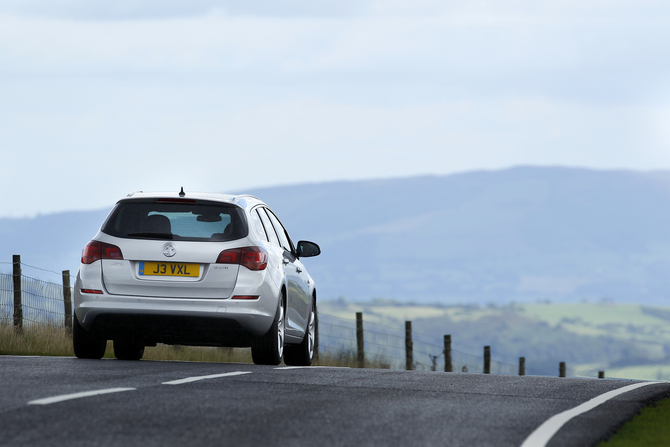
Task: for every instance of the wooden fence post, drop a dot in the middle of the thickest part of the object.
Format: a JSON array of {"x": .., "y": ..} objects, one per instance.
[
  {"x": 487, "y": 360},
  {"x": 18, "y": 307},
  {"x": 67, "y": 299},
  {"x": 448, "y": 367},
  {"x": 360, "y": 344},
  {"x": 522, "y": 366},
  {"x": 409, "y": 347},
  {"x": 561, "y": 369}
]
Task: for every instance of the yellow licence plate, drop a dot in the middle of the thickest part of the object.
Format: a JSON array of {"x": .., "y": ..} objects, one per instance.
[{"x": 169, "y": 269}]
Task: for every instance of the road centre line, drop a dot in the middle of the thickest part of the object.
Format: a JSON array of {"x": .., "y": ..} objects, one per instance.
[
  {"x": 543, "y": 434},
  {"x": 212, "y": 376},
  {"x": 61, "y": 398},
  {"x": 64, "y": 397},
  {"x": 311, "y": 367}
]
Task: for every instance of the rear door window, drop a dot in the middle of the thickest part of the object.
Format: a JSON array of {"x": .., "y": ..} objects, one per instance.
[
  {"x": 258, "y": 225},
  {"x": 281, "y": 232}
]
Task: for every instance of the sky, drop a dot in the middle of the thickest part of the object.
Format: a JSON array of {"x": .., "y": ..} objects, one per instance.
[{"x": 99, "y": 98}]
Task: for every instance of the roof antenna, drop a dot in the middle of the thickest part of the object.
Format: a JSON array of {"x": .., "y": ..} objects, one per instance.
[{"x": 182, "y": 193}]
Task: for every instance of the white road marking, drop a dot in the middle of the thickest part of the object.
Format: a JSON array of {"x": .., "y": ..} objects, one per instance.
[
  {"x": 543, "y": 434},
  {"x": 312, "y": 367},
  {"x": 213, "y": 376},
  {"x": 54, "y": 399}
]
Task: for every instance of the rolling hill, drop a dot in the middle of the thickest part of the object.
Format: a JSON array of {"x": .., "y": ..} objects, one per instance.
[{"x": 522, "y": 234}]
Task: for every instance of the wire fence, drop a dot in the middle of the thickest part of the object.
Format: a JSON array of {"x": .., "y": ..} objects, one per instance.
[
  {"x": 384, "y": 345},
  {"x": 42, "y": 302}
]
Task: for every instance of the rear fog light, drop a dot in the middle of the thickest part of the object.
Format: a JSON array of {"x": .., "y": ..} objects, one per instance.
[{"x": 93, "y": 291}]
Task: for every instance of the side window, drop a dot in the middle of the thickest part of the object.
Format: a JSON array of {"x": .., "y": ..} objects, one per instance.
[
  {"x": 258, "y": 225},
  {"x": 281, "y": 232},
  {"x": 268, "y": 227}
]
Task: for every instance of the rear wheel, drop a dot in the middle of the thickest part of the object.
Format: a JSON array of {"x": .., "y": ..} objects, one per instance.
[
  {"x": 303, "y": 354},
  {"x": 86, "y": 345},
  {"x": 128, "y": 349},
  {"x": 269, "y": 349}
]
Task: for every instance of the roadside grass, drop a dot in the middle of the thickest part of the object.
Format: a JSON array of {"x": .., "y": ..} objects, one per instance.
[
  {"x": 650, "y": 428},
  {"x": 51, "y": 341},
  {"x": 349, "y": 358},
  {"x": 40, "y": 340},
  {"x": 192, "y": 353}
]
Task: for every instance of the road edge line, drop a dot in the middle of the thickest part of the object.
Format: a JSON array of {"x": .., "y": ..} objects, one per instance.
[{"x": 543, "y": 434}]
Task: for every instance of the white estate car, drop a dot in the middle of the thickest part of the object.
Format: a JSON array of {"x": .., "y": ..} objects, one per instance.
[{"x": 195, "y": 269}]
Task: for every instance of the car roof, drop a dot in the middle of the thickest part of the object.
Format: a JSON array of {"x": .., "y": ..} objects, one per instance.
[{"x": 242, "y": 200}]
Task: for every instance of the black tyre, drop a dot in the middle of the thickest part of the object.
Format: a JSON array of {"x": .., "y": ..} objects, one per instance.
[
  {"x": 303, "y": 354},
  {"x": 269, "y": 349},
  {"x": 128, "y": 349},
  {"x": 86, "y": 345}
]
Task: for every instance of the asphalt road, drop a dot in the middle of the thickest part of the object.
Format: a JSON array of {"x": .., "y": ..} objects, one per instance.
[{"x": 150, "y": 403}]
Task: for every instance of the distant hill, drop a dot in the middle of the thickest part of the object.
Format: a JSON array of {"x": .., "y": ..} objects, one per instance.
[
  {"x": 521, "y": 234},
  {"x": 52, "y": 242}
]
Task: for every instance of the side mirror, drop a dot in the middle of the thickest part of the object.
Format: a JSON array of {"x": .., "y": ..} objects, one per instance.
[{"x": 307, "y": 249}]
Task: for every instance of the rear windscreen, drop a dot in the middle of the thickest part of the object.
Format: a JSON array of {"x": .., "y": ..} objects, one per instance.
[{"x": 176, "y": 221}]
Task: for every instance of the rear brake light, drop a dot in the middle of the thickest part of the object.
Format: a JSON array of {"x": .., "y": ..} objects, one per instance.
[
  {"x": 96, "y": 250},
  {"x": 245, "y": 297},
  {"x": 91, "y": 253},
  {"x": 175, "y": 201},
  {"x": 253, "y": 258},
  {"x": 94, "y": 291}
]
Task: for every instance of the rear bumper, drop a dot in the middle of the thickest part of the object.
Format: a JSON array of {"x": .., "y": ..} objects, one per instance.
[
  {"x": 203, "y": 322},
  {"x": 172, "y": 329}
]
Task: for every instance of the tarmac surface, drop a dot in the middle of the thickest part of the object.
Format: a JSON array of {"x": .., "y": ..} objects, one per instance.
[{"x": 51, "y": 401}]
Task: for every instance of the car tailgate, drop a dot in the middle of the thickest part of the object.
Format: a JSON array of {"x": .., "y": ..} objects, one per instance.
[{"x": 191, "y": 272}]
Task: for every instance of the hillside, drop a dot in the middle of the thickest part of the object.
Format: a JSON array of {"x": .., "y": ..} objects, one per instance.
[{"x": 523, "y": 234}]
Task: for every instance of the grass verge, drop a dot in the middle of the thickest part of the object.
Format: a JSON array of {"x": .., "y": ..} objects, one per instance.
[
  {"x": 650, "y": 428},
  {"x": 39, "y": 340},
  {"x": 51, "y": 341}
]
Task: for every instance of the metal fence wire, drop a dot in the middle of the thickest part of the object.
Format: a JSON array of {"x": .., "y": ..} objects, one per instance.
[
  {"x": 6, "y": 297},
  {"x": 42, "y": 302}
]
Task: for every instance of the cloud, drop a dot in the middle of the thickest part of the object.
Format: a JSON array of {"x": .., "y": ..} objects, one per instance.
[
  {"x": 97, "y": 139},
  {"x": 309, "y": 91},
  {"x": 518, "y": 50}
]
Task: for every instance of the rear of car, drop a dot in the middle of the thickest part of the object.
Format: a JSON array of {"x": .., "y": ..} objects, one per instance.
[{"x": 165, "y": 268}]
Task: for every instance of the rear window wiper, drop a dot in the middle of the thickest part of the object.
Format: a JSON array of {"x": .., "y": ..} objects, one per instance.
[{"x": 152, "y": 235}]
